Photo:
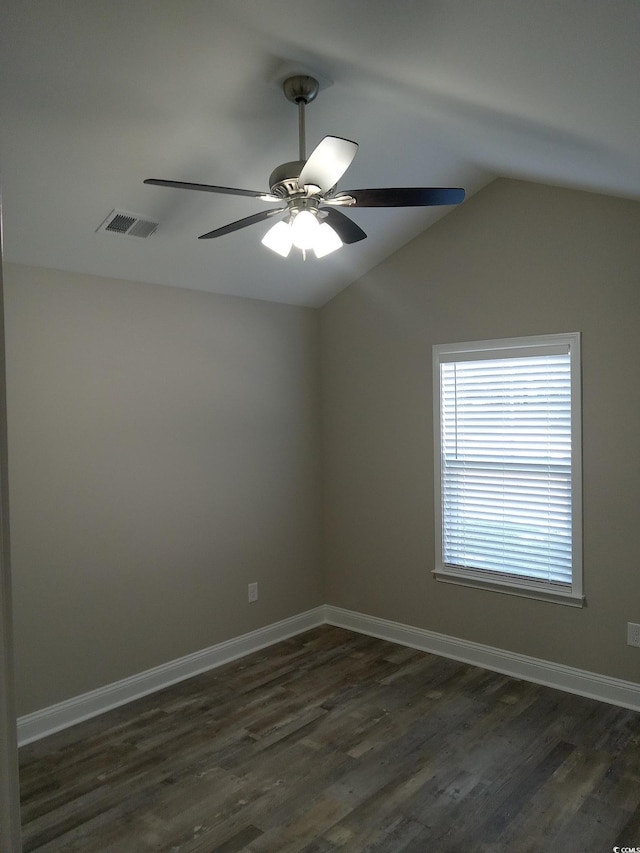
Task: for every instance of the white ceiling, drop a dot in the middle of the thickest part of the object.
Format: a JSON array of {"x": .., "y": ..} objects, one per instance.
[{"x": 99, "y": 94}]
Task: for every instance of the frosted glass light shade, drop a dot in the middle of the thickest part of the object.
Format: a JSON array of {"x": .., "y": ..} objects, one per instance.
[
  {"x": 279, "y": 238},
  {"x": 326, "y": 241},
  {"x": 304, "y": 229}
]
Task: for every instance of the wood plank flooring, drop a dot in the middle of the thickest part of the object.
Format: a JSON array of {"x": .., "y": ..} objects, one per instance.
[{"x": 333, "y": 741}]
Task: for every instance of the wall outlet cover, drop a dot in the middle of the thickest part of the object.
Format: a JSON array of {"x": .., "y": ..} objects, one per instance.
[{"x": 633, "y": 634}]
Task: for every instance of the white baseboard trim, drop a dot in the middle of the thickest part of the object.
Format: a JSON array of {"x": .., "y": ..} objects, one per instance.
[
  {"x": 49, "y": 720},
  {"x": 613, "y": 691},
  {"x": 65, "y": 714}
]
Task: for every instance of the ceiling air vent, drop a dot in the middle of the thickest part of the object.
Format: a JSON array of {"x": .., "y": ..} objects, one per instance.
[{"x": 128, "y": 224}]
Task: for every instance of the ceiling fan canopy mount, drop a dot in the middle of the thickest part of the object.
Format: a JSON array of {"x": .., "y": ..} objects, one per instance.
[
  {"x": 308, "y": 186},
  {"x": 301, "y": 88}
]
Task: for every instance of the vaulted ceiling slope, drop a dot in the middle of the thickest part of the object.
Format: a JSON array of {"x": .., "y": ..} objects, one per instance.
[{"x": 97, "y": 96}]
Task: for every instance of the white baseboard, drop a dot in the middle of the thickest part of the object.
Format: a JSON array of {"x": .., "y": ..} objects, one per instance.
[
  {"x": 614, "y": 691},
  {"x": 57, "y": 717}
]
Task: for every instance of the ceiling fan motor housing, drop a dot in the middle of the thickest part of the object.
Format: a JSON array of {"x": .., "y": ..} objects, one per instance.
[{"x": 284, "y": 179}]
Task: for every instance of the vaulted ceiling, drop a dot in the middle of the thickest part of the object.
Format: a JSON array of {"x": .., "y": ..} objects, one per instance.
[{"x": 98, "y": 95}]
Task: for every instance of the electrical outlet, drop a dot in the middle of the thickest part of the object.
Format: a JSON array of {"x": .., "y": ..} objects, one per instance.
[
  {"x": 633, "y": 634},
  {"x": 253, "y": 594}
]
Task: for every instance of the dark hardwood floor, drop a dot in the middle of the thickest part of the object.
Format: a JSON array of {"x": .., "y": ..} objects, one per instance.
[{"x": 333, "y": 741}]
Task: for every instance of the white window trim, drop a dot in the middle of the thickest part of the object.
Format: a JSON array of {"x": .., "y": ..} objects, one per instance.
[{"x": 504, "y": 583}]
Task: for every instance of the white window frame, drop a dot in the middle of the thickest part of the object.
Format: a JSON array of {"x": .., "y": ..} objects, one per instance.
[{"x": 565, "y": 594}]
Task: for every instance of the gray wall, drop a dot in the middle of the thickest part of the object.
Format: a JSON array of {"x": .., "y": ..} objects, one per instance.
[
  {"x": 164, "y": 446},
  {"x": 164, "y": 452},
  {"x": 516, "y": 259}
]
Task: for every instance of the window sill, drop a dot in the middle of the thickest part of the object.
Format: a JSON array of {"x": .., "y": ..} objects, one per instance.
[{"x": 568, "y": 599}]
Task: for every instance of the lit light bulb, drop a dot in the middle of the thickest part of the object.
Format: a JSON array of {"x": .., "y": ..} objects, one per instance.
[
  {"x": 278, "y": 238},
  {"x": 326, "y": 241},
  {"x": 304, "y": 229}
]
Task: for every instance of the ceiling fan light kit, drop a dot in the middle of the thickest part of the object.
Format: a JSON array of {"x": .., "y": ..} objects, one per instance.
[
  {"x": 306, "y": 191},
  {"x": 305, "y": 231}
]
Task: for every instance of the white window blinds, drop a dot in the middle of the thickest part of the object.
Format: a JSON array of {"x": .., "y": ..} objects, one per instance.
[{"x": 505, "y": 458}]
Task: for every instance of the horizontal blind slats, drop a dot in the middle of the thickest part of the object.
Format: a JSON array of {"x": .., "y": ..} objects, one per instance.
[{"x": 506, "y": 465}]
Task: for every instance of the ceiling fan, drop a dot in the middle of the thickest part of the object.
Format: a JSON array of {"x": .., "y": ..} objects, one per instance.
[{"x": 305, "y": 190}]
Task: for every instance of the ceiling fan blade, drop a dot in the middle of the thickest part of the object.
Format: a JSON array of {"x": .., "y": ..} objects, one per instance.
[
  {"x": 242, "y": 223},
  {"x": 345, "y": 228},
  {"x": 398, "y": 197},
  {"x": 328, "y": 162},
  {"x": 209, "y": 188}
]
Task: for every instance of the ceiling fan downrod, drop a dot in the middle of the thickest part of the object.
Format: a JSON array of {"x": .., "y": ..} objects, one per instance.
[{"x": 301, "y": 89}]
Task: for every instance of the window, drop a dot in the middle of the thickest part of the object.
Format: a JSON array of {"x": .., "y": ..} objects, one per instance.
[{"x": 508, "y": 465}]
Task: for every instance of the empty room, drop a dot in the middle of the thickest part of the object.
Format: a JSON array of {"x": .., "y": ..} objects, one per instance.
[{"x": 320, "y": 483}]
